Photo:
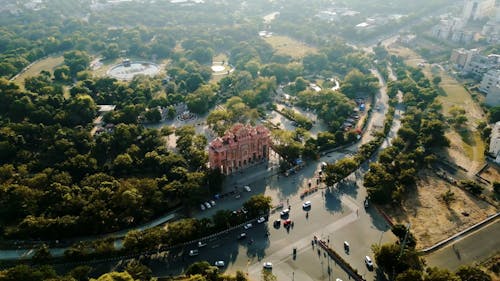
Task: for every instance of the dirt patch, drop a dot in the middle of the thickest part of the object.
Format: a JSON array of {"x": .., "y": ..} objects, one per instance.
[
  {"x": 491, "y": 173},
  {"x": 431, "y": 220}
]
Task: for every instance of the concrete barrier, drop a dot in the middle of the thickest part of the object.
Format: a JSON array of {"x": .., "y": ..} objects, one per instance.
[{"x": 461, "y": 233}]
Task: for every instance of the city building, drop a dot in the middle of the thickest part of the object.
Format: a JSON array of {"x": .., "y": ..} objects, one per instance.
[
  {"x": 471, "y": 62},
  {"x": 477, "y": 9},
  {"x": 241, "y": 146},
  {"x": 495, "y": 142},
  {"x": 462, "y": 57},
  {"x": 490, "y": 80},
  {"x": 493, "y": 96}
]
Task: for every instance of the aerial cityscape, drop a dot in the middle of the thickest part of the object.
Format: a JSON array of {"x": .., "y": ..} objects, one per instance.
[{"x": 211, "y": 140}]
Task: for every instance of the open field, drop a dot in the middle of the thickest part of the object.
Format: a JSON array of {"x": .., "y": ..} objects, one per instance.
[
  {"x": 467, "y": 147},
  {"x": 49, "y": 64},
  {"x": 431, "y": 220},
  {"x": 285, "y": 45}
]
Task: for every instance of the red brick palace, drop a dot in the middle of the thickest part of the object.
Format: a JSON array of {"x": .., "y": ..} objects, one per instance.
[{"x": 240, "y": 146}]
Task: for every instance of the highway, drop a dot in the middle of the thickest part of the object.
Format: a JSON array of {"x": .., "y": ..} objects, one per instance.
[{"x": 474, "y": 247}]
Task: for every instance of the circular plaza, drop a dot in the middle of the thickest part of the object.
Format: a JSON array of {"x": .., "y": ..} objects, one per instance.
[{"x": 128, "y": 69}]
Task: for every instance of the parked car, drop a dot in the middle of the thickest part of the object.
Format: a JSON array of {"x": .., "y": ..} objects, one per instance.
[
  {"x": 193, "y": 253},
  {"x": 202, "y": 207},
  {"x": 268, "y": 265},
  {"x": 338, "y": 279},
  {"x": 261, "y": 220},
  {"x": 277, "y": 223},
  {"x": 242, "y": 236},
  {"x": 369, "y": 262},
  {"x": 247, "y": 188},
  {"x": 287, "y": 222},
  {"x": 208, "y": 205},
  {"x": 285, "y": 212},
  {"x": 219, "y": 263},
  {"x": 201, "y": 244},
  {"x": 212, "y": 202},
  {"x": 247, "y": 226},
  {"x": 366, "y": 203},
  {"x": 306, "y": 204}
]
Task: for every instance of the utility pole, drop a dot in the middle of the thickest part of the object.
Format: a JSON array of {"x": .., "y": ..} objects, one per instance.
[{"x": 403, "y": 244}]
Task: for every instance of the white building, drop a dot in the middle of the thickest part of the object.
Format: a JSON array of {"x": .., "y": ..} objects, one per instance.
[
  {"x": 477, "y": 9},
  {"x": 490, "y": 80},
  {"x": 495, "y": 142}
]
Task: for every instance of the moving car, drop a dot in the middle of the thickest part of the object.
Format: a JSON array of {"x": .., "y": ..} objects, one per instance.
[
  {"x": 242, "y": 236},
  {"x": 284, "y": 212},
  {"x": 219, "y": 263},
  {"x": 369, "y": 262},
  {"x": 247, "y": 226},
  {"x": 201, "y": 244},
  {"x": 247, "y": 188},
  {"x": 346, "y": 246},
  {"x": 306, "y": 204},
  {"x": 193, "y": 253},
  {"x": 261, "y": 220},
  {"x": 268, "y": 265}
]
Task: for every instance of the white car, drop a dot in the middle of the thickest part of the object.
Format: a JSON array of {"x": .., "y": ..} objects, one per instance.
[
  {"x": 306, "y": 204},
  {"x": 208, "y": 205},
  {"x": 338, "y": 279},
  {"x": 284, "y": 212},
  {"x": 247, "y": 226},
  {"x": 369, "y": 262},
  {"x": 247, "y": 188},
  {"x": 261, "y": 220},
  {"x": 193, "y": 253},
  {"x": 268, "y": 265},
  {"x": 202, "y": 207},
  {"x": 201, "y": 244},
  {"x": 219, "y": 263},
  {"x": 212, "y": 202}
]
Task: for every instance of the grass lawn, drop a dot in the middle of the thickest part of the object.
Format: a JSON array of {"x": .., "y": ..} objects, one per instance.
[
  {"x": 285, "y": 45},
  {"x": 49, "y": 64}
]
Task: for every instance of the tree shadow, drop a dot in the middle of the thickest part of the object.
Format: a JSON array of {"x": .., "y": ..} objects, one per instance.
[
  {"x": 348, "y": 186},
  {"x": 332, "y": 200}
]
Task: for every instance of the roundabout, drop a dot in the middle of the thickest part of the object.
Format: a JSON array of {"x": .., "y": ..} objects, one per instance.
[{"x": 128, "y": 69}]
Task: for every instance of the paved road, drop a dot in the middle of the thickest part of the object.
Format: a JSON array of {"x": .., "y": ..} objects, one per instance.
[
  {"x": 337, "y": 215},
  {"x": 472, "y": 248}
]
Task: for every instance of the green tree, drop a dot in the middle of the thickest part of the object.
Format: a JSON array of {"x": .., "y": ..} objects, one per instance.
[
  {"x": 115, "y": 276},
  {"x": 139, "y": 271},
  {"x": 472, "y": 273},
  {"x": 267, "y": 275},
  {"x": 410, "y": 275},
  {"x": 76, "y": 61},
  {"x": 438, "y": 274},
  {"x": 258, "y": 205},
  {"x": 42, "y": 254}
]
